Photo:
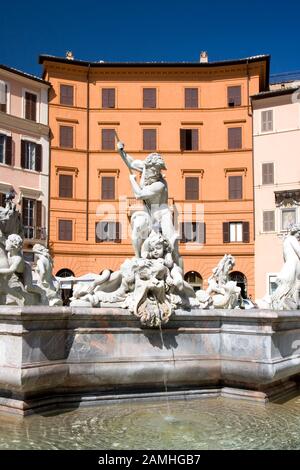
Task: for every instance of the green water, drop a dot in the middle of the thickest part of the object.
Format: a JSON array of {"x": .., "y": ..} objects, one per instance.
[{"x": 207, "y": 423}]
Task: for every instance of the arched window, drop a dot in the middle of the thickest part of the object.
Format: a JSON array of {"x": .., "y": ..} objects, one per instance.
[
  {"x": 194, "y": 279},
  {"x": 241, "y": 282},
  {"x": 65, "y": 273},
  {"x": 66, "y": 288}
]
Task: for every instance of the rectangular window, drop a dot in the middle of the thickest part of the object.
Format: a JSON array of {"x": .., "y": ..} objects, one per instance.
[
  {"x": 267, "y": 121},
  {"x": 3, "y": 96},
  {"x": 67, "y": 95},
  {"x": 191, "y": 97},
  {"x": 108, "y": 232},
  {"x": 30, "y": 106},
  {"x": 268, "y": 221},
  {"x": 28, "y": 209},
  {"x": 66, "y": 136},
  {"x": 236, "y": 232},
  {"x": 66, "y": 186},
  {"x": 149, "y": 139},
  {"x": 108, "y": 139},
  {"x": 193, "y": 232},
  {"x": 108, "y": 98},
  {"x": 2, "y": 199},
  {"x": 65, "y": 230},
  {"x": 189, "y": 139},
  {"x": 234, "y": 96},
  {"x": 235, "y": 187},
  {"x": 149, "y": 98},
  {"x": 192, "y": 188},
  {"x": 107, "y": 187},
  {"x": 234, "y": 138},
  {"x": 31, "y": 155},
  {"x": 5, "y": 149},
  {"x": 268, "y": 173},
  {"x": 288, "y": 218}
]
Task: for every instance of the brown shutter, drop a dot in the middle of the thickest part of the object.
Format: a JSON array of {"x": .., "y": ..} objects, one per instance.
[
  {"x": 38, "y": 219},
  {"x": 246, "y": 232},
  {"x": 118, "y": 232},
  {"x": 108, "y": 187},
  {"x": 8, "y": 150},
  {"x": 234, "y": 138},
  {"x": 182, "y": 139},
  {"x": 201, "y": 232},
  {"x": 235, "y": 187},
  {"x": 23, "y": 153},
  {"x": 226, "y": 237},
  {"x": 66, "y": 136},
  {"x": 66, "y": 186},
  {"x": 38, "y": 157},
  {"x": 192, "y": 188},
  {"x": 191, "y": 97},
  {"x": 108, "y": 139},
  {"x": 149, "y": 98},
  {"x": 2, "y": 199},
  {"x": 67, "y": 95},
  {"x": 108, "y": 98},
  {"x": 65, "y": 230},
  {"x": 195, "y": 143},
  {"x": 149, "y": 139},
  {"x": 268, "y": 173}
]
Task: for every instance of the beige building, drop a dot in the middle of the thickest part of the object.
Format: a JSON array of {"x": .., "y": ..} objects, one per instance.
[{"x": 276, "y": 130}]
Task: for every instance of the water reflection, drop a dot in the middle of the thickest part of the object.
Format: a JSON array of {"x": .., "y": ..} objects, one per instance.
[{"x": 210, "y": 423}]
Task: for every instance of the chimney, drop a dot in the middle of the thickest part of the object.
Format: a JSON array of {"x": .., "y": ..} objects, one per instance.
[
  {"x": 69, "y": 55},
  {"x": 203, "y": 57}
]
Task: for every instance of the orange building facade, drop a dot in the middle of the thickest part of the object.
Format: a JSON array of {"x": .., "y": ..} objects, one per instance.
[{"x": 197, "y": 115}]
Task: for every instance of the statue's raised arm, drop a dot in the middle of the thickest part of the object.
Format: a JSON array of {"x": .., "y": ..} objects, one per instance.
[{"x": 132, "y": 164}]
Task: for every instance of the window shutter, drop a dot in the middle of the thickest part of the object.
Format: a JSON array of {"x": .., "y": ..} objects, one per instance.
[
  {"x": 192, "y": 188},
  {"x": 38, "y": 157},
  {"x": 182, "y": 139},
  {"x": 8, "y": 151},
  {"x": 66, "y": 136},
  {"x": 246, "y": 232},
  {"x": 234, "y": 137},
  {"x": 38, "y": 218},
  {"x": 268, "y": 221},
  {"x": 267, "y": 120},
  {"x": 66, "y": 186},
  {"x": 2, "y": 199},
  {"x": 235, "y": 187},
  {"x": 149, "y": 98},
  {"x": 194, "y": 139},
  {"x": 267, "y": 173},
  {"x": 191, "y": 97},
  {"x": 108, "y": 98},
  {"x": 23, "y": 153},
  {"x": 108, "y": 187},
  {"x": 67, "y": 94},
  {"x": 65, "y": 228},
  {"x": 108, "y": 139},
  {"x": 149, "y": 139},
  {"x": 226, "y": 237},
  {"x": 118, "y": 232},
  {"x": 201, "y": 232},
  {"x": 2, "y": 96}
]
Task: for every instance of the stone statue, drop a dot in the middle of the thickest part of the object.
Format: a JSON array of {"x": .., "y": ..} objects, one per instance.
[
  {"x": 43, "y": 270},
  {"x": 221, "y": 291},
  {"x": 285, "y": 297}
]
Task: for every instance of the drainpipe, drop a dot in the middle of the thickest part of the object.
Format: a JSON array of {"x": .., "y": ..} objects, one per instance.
[
  {"x": 87, "y": 151},
  {"x": 250, "y": 114}
]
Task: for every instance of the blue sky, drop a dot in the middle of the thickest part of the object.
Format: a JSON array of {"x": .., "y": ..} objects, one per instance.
[{"x": 157, "y": 30}]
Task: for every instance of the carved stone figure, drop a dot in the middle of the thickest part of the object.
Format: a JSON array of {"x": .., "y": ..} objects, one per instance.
[
  {"x": 221, "y": 291},
  {"x": 43, "y": 270}
]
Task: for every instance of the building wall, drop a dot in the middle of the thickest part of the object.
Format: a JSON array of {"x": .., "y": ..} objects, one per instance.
[
  {"x": 27, "y": 183},
  {"x": 281, "y": 147},
  {"x": 213, "y": 162}
]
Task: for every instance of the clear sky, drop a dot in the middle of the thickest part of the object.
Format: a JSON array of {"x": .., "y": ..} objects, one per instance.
[{"x": 156, "y": 30}]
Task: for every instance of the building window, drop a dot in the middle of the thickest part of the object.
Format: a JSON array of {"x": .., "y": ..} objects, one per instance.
[
  {"x": 108, "y": 139},
  {"x": 189, "y": 139},
  {"x": 193, "y": 232},
  {"x": 288, "y": 218},
  {"x": 234, "y": 138},
  {"x": 30, "y": 106},
  {"x": 66, "y": 136},
  {"x": 191, "y": 97},
  {"x": 66, "y": 186},
  {"x": 108, "y": 232},
  {"x": 108, "y": 98},
  {"x": 234, "y": 232},
  {"x": 149, "y": 139},
  {"x": 235, "y": 187},
  {"x": 67, "y": 95},
  {"x": 192, "y": 188},
  {"x": 2, "y": 200},
  {"x": 234, "y": 96},
  {"x": 194, "y": 279},
  {"x": 268, "y": 221},
  {"x": 32, "y": 218},
  {"x": 5, "y": 149},
  {"x": 3, "y": 96},
  {"x": 268, "y": 173},
  {"x": 267, "y": 121},
  {"x": 149, "y": 97},
  {"x": 107, "y": 187},
  {"x": 65, "y": 230},
  {"x": 31, "y": 155}
]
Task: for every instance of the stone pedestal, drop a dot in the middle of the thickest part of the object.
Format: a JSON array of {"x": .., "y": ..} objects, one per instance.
[{"x": 63, "y": 356}]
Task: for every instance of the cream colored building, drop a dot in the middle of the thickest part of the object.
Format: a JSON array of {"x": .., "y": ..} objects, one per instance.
[{"x": 276, "y": 140}]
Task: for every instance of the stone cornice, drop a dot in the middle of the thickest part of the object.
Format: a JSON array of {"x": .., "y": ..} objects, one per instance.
[{"x": 24, "y": 126}]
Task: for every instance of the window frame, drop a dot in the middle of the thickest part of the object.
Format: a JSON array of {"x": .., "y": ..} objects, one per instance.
[
  {"x": 156, "y": 97},
  {"x": 263, "y": 221},
  {"x": 241, "y": 96},
  {"x": 8, "y": 97},
  {"x": 262, "y": 173},
  {"x": 115, "y": 98},
  {"x": 285, "y": 209},
  {"x": 71, "y": 175},
  {"x": 102, "y": 140},
  {"x": 66, "y": 125},
  {"x": 73, "y": 101},
  {"x": 72, "y": 232},
  {"x": 261, "y": 121},
  {"x": 242, "y": 138},
  {"x": 38, "y": 100},
  {"x": 185, "y": 98}
]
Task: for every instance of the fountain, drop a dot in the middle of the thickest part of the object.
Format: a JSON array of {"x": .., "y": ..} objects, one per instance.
[{"x": 107, "y": 346}]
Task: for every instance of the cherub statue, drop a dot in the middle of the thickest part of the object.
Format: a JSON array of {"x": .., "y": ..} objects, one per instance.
[{"x": 43, "y": 270}]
